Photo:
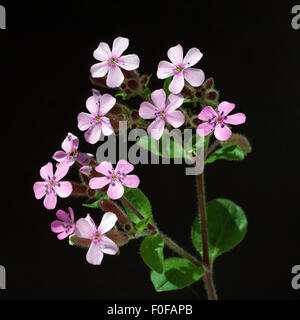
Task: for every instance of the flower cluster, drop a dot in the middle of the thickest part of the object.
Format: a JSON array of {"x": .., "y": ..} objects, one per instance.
[{"x": 163, "y": 106}]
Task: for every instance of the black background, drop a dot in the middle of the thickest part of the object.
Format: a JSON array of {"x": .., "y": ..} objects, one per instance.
[{"x": 251, "y": 51}]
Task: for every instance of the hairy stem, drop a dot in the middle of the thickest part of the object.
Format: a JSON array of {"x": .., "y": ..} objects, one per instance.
[
  {"x": 169, "y": 242},
  {"x": 212, "y": 147},
  {"x": 180, "y": 251},
  {"x": 208, "y": 281}
]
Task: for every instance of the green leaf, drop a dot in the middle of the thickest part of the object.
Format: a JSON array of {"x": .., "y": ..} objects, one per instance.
[
  {"x": 139, "y": 201},
  {"x": 172, "y": 151},
  {"x": 231, "y": 152},
  {"x": 94, "y": 205},
  {"x": 178, "y": 273},
  {"x": 226, "y": 224},
  {"x": 151, "y": 250},
  {"x": 166, "y": 85},
  {"x": 124, "y": 95},
  {"x": 142, "y": 224},
  {"x": 189, "y": 100}
]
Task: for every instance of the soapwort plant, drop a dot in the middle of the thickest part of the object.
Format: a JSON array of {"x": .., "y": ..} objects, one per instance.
[{"x": 186, "y": 101}]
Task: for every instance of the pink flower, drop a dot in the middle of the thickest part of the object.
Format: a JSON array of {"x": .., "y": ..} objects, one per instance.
[
  {"x": 96, "y": 121},
  {"x": 86, "y": 170},
  {"x": 86, "y": 228},
  {"x": 162, "y": 112},
  {"x": 65, "y": 225},
  {"x": 71, "y": 153},
  {"x": 217, "y": 120},
  {"x": 180, "y": 68},
  {"x": 115, "y": 178},
  {"x": 52, "y": 186},
  {"x": 111, "y": 61}
]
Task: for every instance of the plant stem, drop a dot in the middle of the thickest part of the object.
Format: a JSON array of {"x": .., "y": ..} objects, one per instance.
[
  {"x": 209, "y": 285},
  {"x": 169, "y": 242},
  {"x": 180, "y": 251},
  {"x": 212, "y": 147}
]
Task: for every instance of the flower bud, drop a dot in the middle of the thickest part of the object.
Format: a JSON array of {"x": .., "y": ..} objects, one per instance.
[
  {"x": 79, "y": 190},
  {"x": 86, "y": 170}
]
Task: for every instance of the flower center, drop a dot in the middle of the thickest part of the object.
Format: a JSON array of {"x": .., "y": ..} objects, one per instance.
[
  {"x": 179, "y": 68},
  {"x": 97, "y": 236},
  {"x": 98, "y": 118},
  {"x": 113, "y": 61},
  {"x": 219, "y": 119},
  {"x": 73, "y": 153}
]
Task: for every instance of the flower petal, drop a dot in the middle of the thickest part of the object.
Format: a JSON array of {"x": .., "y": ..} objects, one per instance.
[
  {"x": 225, "y": 107},
  {"x": 90, "y": 220},
  {"x": 115, "y": 190},
  {"x": 109, "y": 247},
  {"x": 84, "y": 120},
  {"x": 156, "y": 128},
  {"x": 93, "y": 134},
  {"x": 147, "y": 110},
  {"x": 84, "y": 229},
  {"x": 115, "y": 77},
  {"x": 107, "y": 101},
  {"x": 47, "y": 171},
  {"x": 103, "y": 52},
  {"x": 207, "y": 113},
  {"x": 39, "y": 190},
  {"x": 108, "y": 221},
  {"x": 64, "y": 189},
  {"x": 192, "y": 57},
  {"x": 61, "y": 170},
  {"x": 99, "y": 70},
  {"x": 105, "y": 168},
  {"x": 175, "y": 118},
  {"x": 222, "y": 133},
  {"x": 50, "y": 200},
  {"x": 98, "y": 182},
  {"x": 62, "y": 215},
  {"x": 124, "y": 166},
  {"x": 120, "y": 44},
  {"x": 237, "y": 118},
  {"x": 60, "y": 156},
  {"x": 70, "y": 143},
  {"x": 194, "y": 77},
  {"x": 94, "y": 255},
  {"x": 165, "y": 69},
  {"x": 175, "y": 54},
  {"x": 64, "y": 234},
  {"x": 159, "y": 98},
  {"x": 92, "y": 104},
  {"x": 204, "y": 129},
  {"x": 83, "y": 158},
  {"x": 57, "y": 226},
  {"x": 106, "y": 126},
  {"x": 131, "y": 181},
  {"x": 177, "y": 83},
  {"x": 129, "y": 62},
  {"x": 174, "y": 101},
  {"x": 71, "y": 213}
]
